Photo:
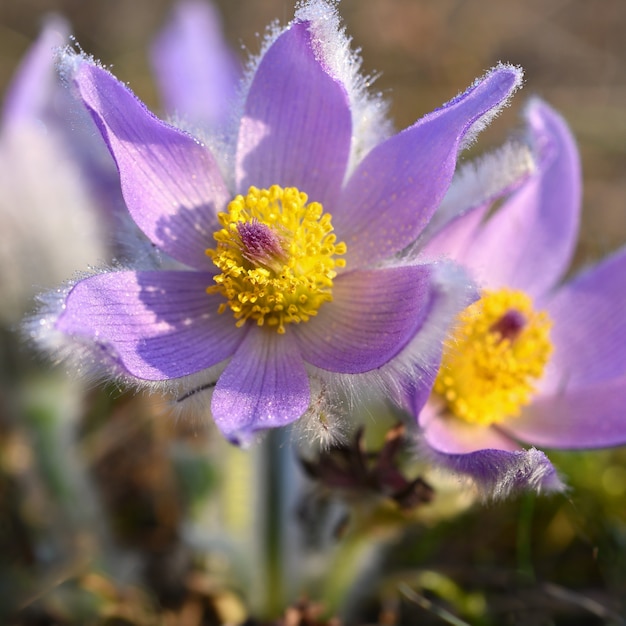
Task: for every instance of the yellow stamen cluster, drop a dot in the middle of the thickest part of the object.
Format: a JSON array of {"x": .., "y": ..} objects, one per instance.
[
  {"x": 494, "y": 358},
  {"x": 276, "y": 253}
]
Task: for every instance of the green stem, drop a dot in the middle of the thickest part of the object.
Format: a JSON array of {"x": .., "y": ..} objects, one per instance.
[
  {"x": 353, "y": 570},
  {"x": 274, "y": 525}
]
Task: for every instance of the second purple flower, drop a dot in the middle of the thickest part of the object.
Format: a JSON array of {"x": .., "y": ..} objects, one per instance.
[{"x": 538, "y": 359}]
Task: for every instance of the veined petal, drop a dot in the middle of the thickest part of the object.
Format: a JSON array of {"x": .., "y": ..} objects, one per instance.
[
  {"x": 31, "y": 90},
  {"x": 590, "y": 417},
  {"x": 264, "y": 386},
  {"x": 196, "y": 71},
  {"x": 171, "y": 183},
  {"x": 396, "y": 188},
  {"x": 529, "y": 241},
  {"x": 589, "y": 332},
  {"x": 373, "y": 315},
  {"x": 155, "y": 325},
  {"x": 296, "y": 128}
]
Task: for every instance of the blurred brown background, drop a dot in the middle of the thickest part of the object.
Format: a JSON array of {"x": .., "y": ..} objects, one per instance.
[{"x": 425, "y": 51}]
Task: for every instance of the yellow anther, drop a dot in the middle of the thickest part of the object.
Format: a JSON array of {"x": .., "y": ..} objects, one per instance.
[
  {"x": 276, "y": 253},
  {"x": 494, "y": 358}
]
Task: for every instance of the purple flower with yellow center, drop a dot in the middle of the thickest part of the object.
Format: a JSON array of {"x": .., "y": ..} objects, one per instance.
[
  {"x": 282, "y": 234},
  {"x": 535, "y": 360}
]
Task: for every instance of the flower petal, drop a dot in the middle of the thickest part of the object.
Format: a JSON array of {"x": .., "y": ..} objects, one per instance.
[
  {"x": 408, "y": 378},
  {"x": 529, "y": 241},
  {"x": 396, "y": 188},
  {"x": 450, "y": 435},
  {"x": 496, "y": 464},
  {"x": 475, "y": 187},
  {"x": 196, "y": 71},
  {"x": 589, "y": 332},
  {"x": 590, "y": 417},
  {"x": 452, "y": 240},
  {"x": 31, "y": 90},
  {"x": 264, "y": 386},
  {"x": 499, "y": 474},
  {"x": 155, "y": 325},
  {"x": 171, "y": 183},
  {"x": 373, "y": 315},
  {"x": 296, "y": 129}
]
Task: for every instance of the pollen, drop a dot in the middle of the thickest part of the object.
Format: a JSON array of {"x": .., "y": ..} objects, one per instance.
[
  {"x": 494, "y": 358},
  {"x": 277, "y": 255}
]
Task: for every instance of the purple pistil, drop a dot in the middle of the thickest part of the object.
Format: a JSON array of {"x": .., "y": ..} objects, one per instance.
[
  {"x": 260, "y": 244},
  {"x": 510, "y": 325}
]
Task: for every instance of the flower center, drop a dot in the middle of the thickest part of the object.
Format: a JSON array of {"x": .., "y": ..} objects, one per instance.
[
  {"x": 495, "y": 356},
  {"x": 276, "y": 254}
]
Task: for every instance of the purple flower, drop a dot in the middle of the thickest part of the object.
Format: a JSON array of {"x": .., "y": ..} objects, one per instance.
[
  {"x": 536, "y": 360},
  {"x": 49, "y": 223},
  {"x": 282, "y": 235}
]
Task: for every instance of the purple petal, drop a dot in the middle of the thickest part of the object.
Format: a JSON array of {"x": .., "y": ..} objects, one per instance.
[
  {"x": 589, "y": 332},
  {"x": 171, "y": 183},
  {"x": 196, "y": 71},
  {"x": 411, "y": 374},
  {"x": 499, "y": 474},
  {"x": 491, "y": 459},
  {"x": 155, "y": 325},
  {"x": 474, "y": 189},
  {"x": 452, "y": 240},
  {"x": 296, "y": 129},
  {"x": 31, "y": 90},
  {"x": 397, "y": 187},
  {"x": 374, "y": 314},
  {"x": 450, "y": 435},
  {"x": 416, "y": 391},
  {"x": 264, "y": 386},
  {"x": 529, "y": 242},
  {"x": 590, "y": 417}
]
